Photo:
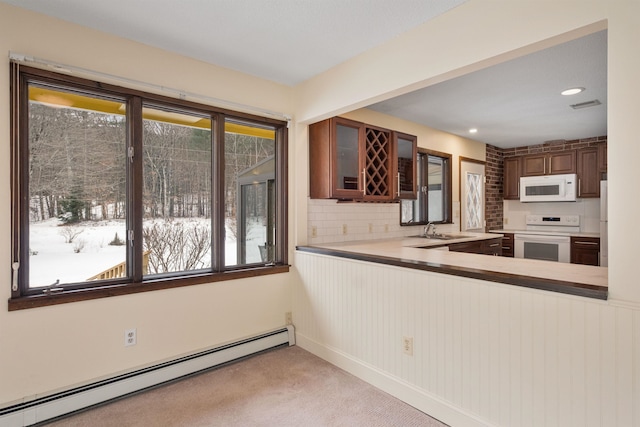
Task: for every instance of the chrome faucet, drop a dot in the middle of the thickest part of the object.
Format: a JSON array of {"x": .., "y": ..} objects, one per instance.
[{"x": 427, "y": 227}]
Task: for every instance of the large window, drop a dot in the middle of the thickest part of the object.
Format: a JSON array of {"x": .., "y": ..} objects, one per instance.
[
  {"x": 433, "y": 203},
  {"x": 119, "y": 191}
]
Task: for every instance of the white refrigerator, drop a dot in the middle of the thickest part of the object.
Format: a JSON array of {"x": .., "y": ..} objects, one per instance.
[{"x": 604, "y": 221}]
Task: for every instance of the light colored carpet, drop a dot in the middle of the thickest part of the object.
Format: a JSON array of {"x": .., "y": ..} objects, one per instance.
[{"x": 283, "y": 387}]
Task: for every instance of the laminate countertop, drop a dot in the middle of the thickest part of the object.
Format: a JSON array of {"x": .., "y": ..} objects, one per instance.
[{"x": 431, "y": 255}]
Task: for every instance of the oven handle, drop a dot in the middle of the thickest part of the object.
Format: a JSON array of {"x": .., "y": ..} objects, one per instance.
[{"x": 542, "y": 238}]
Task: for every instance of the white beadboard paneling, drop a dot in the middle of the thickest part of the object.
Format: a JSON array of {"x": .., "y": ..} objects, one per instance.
[
  {"x": 504, "y": 375},
  {"x": 515, "y": 359},
  {"x": 538, "y": 339},
  {"x": 564, "y": 362},
  {"x": 636, "y": 356},
  {"x": 624, "y": 367},
  {"x": 608, "y": 366},
  {"x": 593, "y": 363},
  {"x": 484, "y": 353},
  {"x": 578, "y": 393},
  {"x": 495, "y": 350},
  {"x": 526, "y": 308}
]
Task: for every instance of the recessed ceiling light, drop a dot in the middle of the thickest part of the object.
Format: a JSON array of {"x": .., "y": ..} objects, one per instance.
[
  {"x": 572, "y": 91},
  {"x": 473, "y": 130}
]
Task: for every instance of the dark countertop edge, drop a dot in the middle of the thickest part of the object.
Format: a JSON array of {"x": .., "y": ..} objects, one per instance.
[{"x": 571, "y": 288}]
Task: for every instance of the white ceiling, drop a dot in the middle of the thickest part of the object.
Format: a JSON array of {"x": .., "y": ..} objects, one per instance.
[
  {"x": 518, "y": 102},
  {"x": 286, "y": 41},
  {"x": 289, "y": 41}
]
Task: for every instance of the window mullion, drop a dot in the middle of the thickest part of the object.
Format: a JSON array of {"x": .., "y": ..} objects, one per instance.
[
  {"x": 217, "y": 194},
  {"x": 135, "y": 209}
]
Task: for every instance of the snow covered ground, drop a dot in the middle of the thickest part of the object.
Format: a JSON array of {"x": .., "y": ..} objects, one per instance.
[{"x": 51, "y": 256}]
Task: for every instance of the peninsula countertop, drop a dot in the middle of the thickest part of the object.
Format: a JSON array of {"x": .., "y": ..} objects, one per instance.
[{"x": 428, "y": 254}]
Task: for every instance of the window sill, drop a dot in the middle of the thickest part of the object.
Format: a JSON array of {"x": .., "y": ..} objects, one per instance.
[{"x": 64, "y": 297}]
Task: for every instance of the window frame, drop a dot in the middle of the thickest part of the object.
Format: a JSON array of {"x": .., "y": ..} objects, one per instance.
[
  {"x": 23, "y": 297},
  {"x": 423, "y": 182}
]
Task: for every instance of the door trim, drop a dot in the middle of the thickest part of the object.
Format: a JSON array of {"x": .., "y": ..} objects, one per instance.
[{"x": 480, "y": 162}]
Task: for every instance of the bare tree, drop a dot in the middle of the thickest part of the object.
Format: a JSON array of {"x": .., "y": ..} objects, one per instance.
[
  {"x": 176, "y": 247},
  {"x": 70, "y": 232}
]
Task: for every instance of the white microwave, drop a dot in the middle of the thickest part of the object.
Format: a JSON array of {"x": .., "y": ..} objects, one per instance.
[{"x": 548, "y": 188}]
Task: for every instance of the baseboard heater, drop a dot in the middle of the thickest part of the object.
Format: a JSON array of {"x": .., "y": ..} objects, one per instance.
[{"x": 63, "y": 403}]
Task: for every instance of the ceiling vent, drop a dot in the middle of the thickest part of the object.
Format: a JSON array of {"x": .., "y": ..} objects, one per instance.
[{"x": 585, "y": 104}]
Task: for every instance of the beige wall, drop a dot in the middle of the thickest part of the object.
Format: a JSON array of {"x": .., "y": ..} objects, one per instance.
[
  {"x": 480, "y": 33},
  {"x": 54, "y": 347},
  {"x": 50, "y": 348}
]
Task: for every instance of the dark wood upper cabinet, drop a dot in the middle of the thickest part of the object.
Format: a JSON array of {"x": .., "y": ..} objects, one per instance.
[
  {"x": 405, "y": 156},
  {"x": 336, "y": 159},
  {"x": 549, "y": 163},
  {"x": 378, "y": 171},
  {"x": 511, "y": 179},
  {"x": 602, "y": 157},
  {"x": 350, "y": 160},
  {"x": 534, "y": 164},
  {"x": 588, "y": 173}
]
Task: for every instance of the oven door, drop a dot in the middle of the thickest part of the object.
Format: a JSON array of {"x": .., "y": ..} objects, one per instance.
[{"x": 542, "y": 247}]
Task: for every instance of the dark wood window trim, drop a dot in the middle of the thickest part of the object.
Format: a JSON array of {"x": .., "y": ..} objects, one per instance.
[
  {"x": 22, "y": 297},
  {"x": 447, "y": 183},
  {"x": 68, "y": 296}
]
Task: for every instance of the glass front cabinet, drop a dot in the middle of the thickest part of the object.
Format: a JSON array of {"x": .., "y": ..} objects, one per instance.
[
  {"x": 350, "y": 160},
  {"x": 405, "y": 172}
]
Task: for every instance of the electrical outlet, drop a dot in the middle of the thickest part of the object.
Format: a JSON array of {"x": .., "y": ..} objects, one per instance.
[
  {"x": 370, "y": 228},
  {"x": 506, "y": 220},
  {"x": 314, "y": 231},
  {"x": 407, "y": 345},
  {"x": 344, "y": 228},
  {"x": 288, "y": 319},
  {"x": 130, "y": 337},
  {"x": 386, "y": 228}
]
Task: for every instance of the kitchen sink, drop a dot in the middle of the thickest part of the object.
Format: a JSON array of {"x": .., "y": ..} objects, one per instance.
[{"x": 442, "y": 236}]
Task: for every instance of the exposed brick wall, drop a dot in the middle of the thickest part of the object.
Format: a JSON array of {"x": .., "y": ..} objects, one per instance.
[
  {"x": 494, "y": 170},
  {"x": 551, "y": 146},
  {"x": 493, "y": 189}
]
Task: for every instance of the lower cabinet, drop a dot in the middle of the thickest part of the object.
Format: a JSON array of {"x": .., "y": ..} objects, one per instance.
[
  {"x": 585, "y": 250},
  {"x": 485, "y": 247},
  {"x": 507, "y": 245}
]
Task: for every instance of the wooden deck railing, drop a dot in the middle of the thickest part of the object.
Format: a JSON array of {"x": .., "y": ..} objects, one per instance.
[{"x": 120, "y": 270}]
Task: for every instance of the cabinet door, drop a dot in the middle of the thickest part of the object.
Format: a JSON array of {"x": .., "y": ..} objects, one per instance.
[
  {"x": 602, "y": 157},
  {"x": 511, "y": 178},
  {"x": 335, "y": 159},
  {"x": 588, "y": 175},
  {"x": 534, "y": 165},
  {"x": 585, "y": 250},
  {"x": 405, "y": 167},
  {"x": 377, "y": 164},
  {"x": 474, "y": 247},
  {"x": 492, "y": 247},
  {"x": 549, "y": 163},
  {"x": 562, "y": 162},
  {"x": 507, "y": 245}
]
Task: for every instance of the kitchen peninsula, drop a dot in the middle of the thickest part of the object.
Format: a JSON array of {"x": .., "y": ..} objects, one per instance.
[{"x": 432, "y": 255}]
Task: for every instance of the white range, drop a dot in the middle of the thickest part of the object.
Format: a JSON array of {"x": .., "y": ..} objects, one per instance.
[{"x": 546, "y": 237}]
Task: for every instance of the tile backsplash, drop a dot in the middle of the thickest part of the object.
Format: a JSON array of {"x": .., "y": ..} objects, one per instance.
[
  {"x": 515, "y": 213},
  {"x": 330, "y": 221}
]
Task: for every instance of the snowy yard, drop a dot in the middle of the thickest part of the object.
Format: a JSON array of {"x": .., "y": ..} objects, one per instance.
[{"x": 51, "y": 256}]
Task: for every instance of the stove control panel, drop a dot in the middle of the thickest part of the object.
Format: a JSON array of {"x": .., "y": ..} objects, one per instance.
[{"x": 554, "y": 220}]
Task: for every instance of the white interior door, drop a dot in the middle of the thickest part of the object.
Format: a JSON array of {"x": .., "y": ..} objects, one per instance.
[{"x": 472, "y": 196}]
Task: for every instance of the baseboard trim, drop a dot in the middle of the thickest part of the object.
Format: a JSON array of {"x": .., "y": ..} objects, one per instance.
[
  {"x": 408, "y": 393},
  {"x": 63, "y": 403}
]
